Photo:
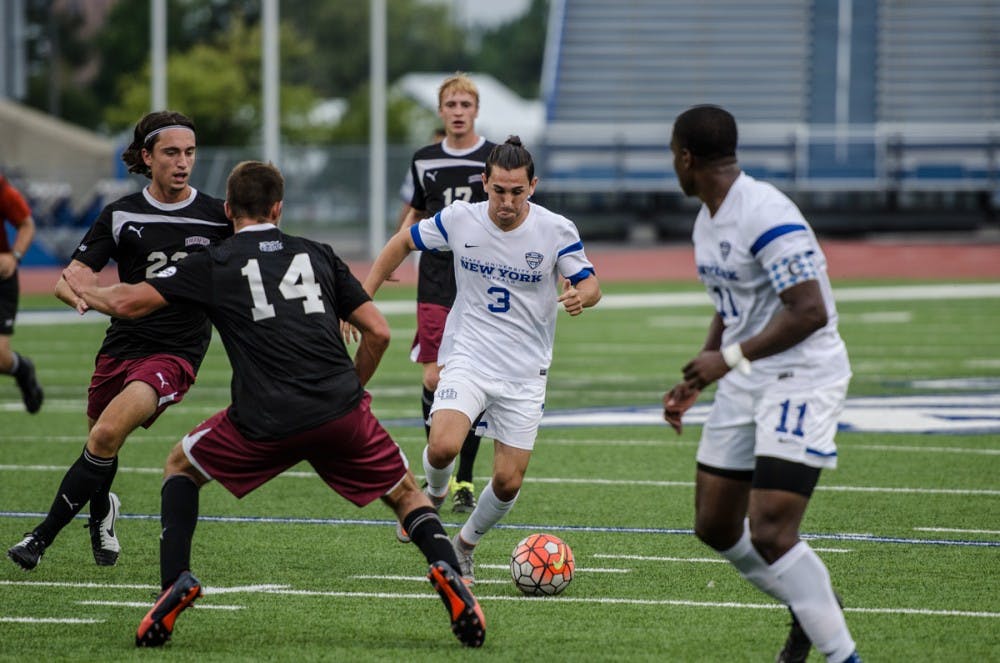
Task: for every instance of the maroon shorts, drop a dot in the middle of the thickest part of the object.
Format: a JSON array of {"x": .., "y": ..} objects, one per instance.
[
  {"x": 354, "y": 455},
  {"x": 168, "y": 375},
  {"x": 430, "y": 331}
]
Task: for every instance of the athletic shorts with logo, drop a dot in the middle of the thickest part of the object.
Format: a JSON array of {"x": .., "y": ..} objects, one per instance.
[
  {"x": 9, "y": 292},
  {"x": 787, "y": 419},
  {"x": 353, "y": 454},
  {"x": 511, "y": 410},
  {"x": 168, "y": 375}
]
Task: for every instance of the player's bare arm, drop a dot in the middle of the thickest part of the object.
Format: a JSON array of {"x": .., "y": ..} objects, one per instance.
[
  {"x": 393, "y": 254},
  {"x": 584, "y": 294},
  {"x": 65, "y": 293},
  {"x": 374, "y": 339},
  {"x": 22, "y": 241},
  {"x": 121, "y": 300},
  {"x": 803, "y": 313}
]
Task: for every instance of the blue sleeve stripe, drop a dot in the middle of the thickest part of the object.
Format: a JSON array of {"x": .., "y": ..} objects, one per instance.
[
  {"x": 581, "y": 275},
  {"x": 437, "y": 220},
  {"x": 572, "y": 247},
  {"x": 415, "y": 235},
  {"x": 773, "y": 234}
]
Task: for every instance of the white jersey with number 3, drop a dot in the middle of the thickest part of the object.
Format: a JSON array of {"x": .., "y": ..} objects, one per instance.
[
  {"x": 757, "y": 245},
  {"x": 504, "y": 317}
]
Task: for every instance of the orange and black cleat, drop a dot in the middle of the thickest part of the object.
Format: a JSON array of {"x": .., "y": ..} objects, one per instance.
[
  {"x": 157, "y": 626},
  {"x": 467, "y": 621}
]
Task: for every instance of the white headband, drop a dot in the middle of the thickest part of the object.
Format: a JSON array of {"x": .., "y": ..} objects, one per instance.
[{"x": 151, "y": 134}]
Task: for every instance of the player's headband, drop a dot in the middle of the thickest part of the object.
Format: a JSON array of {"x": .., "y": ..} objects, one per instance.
[{"x": 154, "y": 132}]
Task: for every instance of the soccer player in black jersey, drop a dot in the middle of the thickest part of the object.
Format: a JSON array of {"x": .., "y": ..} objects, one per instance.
[
  {"x": 278, "y": 302},
  {"x": 145, "y": 365},
  {"x": 442, "y": 173}
]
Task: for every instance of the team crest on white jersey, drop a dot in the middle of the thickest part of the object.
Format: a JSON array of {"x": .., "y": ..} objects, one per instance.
[
  {"x": 533, "y": 258},
  {"x": 725, "y": 248},
  {"x": 446, "y": 394}
]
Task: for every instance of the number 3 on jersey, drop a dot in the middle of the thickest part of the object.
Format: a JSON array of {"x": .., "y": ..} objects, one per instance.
[{"x": 299, "y": 282}]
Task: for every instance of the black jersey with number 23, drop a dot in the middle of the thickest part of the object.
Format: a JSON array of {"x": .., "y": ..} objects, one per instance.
[
  {"x": 277, "y": 301},
  {"x": 143, "y": 236}
]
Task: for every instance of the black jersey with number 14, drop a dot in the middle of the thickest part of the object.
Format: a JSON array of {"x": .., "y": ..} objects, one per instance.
[{"x": 277, "y": 301}]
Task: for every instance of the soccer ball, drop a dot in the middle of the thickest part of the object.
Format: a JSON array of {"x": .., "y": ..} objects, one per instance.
[{"x": 541, "y": 565}]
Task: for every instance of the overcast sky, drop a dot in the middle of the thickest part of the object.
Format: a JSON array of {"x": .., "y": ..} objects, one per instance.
[{"x": 486, "y": 12}]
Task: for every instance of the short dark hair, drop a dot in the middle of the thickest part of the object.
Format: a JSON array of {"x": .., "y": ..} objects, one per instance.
[
  {"x": 252, "y": 189},
  {"x": 708, "y": 132},
  {"x": 511, "y": 155},
  {"x": 150, "y": 122}
]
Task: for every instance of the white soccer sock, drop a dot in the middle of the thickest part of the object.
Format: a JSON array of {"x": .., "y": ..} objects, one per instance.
[
  {"x": 752, "y": 566},
  {"x": 437, "y": 479},
  {"x": 803, "y": 578},
  {"x": 488, "y": 512}
]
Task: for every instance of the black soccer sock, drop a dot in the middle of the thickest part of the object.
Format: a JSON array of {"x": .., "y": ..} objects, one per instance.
[
  {"x": 100, "y": 501},
  {"x": 426, "y": 401},
  {"x": 467, "y": 458},
  {"x": 82, "y": 479},
  {"x": 423, "y": 525},
  {"x": 15, "y": 364},
  {"x": 178, "y": 518}
]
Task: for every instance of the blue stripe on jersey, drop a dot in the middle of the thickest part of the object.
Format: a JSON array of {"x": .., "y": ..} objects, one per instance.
[
  {"x": 773, "y": 234},
  {"x": 581, "y": 275},
  {"x": 437, "y": 220},
  {"x": 415, "y": 235},
  {"x": 823, "y": 454},
  {"x": 572, "y": 247}
]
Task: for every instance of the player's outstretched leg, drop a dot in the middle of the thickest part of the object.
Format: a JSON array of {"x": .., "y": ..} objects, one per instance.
[
  {"x": 467, "y": 621},
  {"x": 157, "y": 626}
]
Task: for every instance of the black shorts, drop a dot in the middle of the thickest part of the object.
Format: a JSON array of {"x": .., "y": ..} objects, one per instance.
[{"x": 9, "y": 292}]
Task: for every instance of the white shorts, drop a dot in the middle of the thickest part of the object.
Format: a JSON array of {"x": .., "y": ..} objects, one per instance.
[
  {"x": 512, "y": 411},
  {"x": 793, "y": 421}
]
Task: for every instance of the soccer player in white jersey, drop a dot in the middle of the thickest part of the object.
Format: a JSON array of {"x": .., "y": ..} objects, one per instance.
[
  {"x": 782, "y": 372},
  {"x": 510, "y": 257}
]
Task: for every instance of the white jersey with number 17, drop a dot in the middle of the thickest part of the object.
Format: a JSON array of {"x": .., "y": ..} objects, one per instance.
[{"x": 503, "y": 321}]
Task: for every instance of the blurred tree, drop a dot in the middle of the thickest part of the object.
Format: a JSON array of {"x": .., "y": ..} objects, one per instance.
[
  {"x": 101, "y": 81},
  {"x": 513, "y": 52},
  {"x": 217, "y": 82}
]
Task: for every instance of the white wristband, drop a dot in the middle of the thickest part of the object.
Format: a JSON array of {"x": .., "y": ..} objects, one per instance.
[{"x": 733, "y": 356}]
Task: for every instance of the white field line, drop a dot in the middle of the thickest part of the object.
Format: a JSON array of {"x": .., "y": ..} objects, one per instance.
[
  {"x": 563, "y": 599},
  {"x": 546, "y": 439},
  {"x": 582, "y": 569},
  {"x": 148, "y": 604},
  {"x": 957, "y": 531},
  {"x": 654, "y": 483},
  {"x": 650, "y": 300},
  {"x": 48, "y": 620}
]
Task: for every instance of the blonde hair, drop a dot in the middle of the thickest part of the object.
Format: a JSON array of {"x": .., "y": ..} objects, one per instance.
[{"x": 458, "y": 82}]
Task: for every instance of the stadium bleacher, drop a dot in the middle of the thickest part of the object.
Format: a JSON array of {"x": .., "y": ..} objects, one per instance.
[{"x": 884, "y": 97}]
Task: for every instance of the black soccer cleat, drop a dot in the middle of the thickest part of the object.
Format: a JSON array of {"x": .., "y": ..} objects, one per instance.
[
  {"x": 467, "y": 621},
  {"x": 31, "y": 391},
  {"x": 157, "y": 626},
  {"x": 28, "y": 552},
  {"x": 797, "y": 645}
]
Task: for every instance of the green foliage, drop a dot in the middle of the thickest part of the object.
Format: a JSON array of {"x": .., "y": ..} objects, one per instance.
[
  {"x": 101, "y": 80},
  {"x": 513, "y": 52},
  {"x": 219, "y": 84}
]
